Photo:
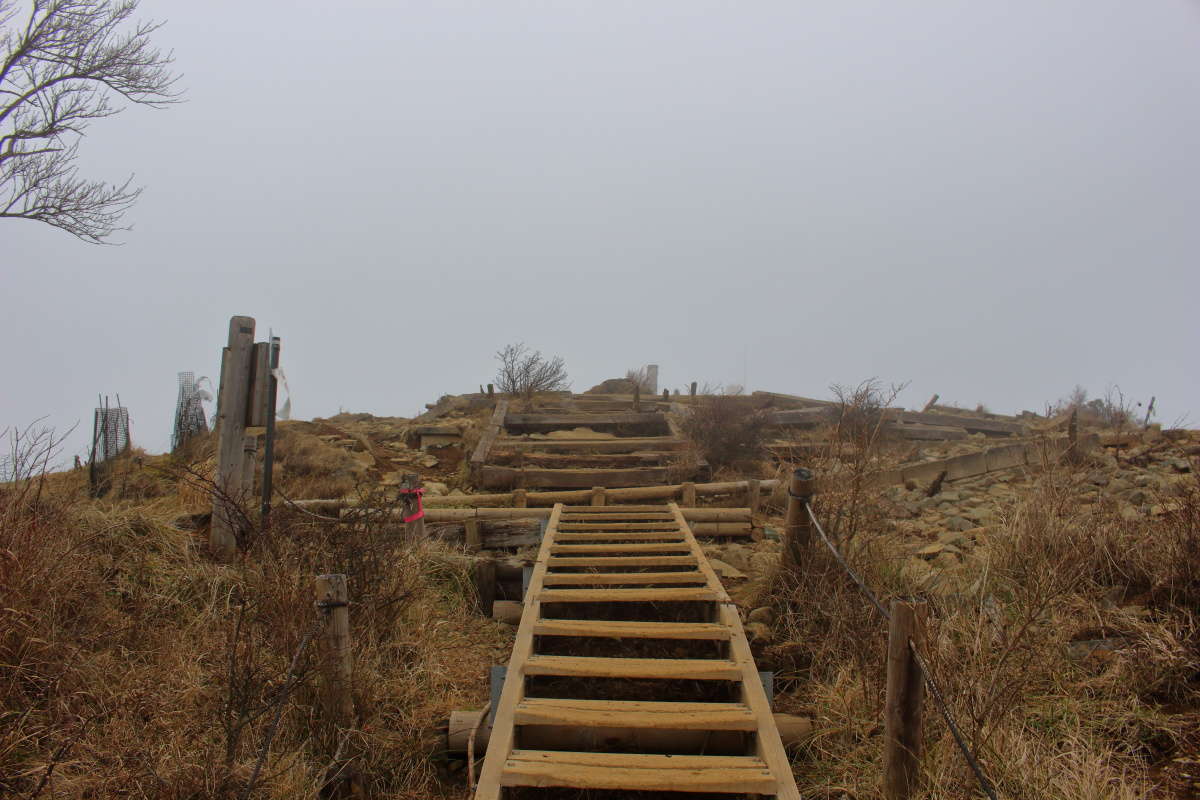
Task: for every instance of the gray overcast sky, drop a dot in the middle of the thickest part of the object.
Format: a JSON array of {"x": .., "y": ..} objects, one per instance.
[{"x": 992, "y": 200}]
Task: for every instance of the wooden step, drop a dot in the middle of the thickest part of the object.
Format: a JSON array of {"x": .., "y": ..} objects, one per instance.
[
  {"x": 699, "y": 669},
  {"x": 608, "y": 562},
  {"x": 652, "y": 595},
  {"x": 668, "y": 547},
  {"x": 607, "y": 629},
  {"x": 630, "y": 714},
  {"x": 665, "y": 525},
  {"x": 608, "y": 509},
  {"x": 599, "y": 578},
  {"x": 617, "y": 516},
  {"x": 637, "y": 772},
  {"x": 623, "y": 536}
]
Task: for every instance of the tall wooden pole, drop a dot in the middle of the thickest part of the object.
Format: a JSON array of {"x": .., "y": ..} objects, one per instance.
[
  {"x": 797, "y": 525},
  {"x": 269, "y": 447},
  {"x": 333, "y": 598},
  {"x": 904, "y": 703},
  {"x": 637, "y": 397},
  {"x": 232, "y": 401}
]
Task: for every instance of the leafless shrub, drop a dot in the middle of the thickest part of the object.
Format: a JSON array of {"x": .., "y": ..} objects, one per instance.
[
  {"x": 640, "y": 377},
  {"x": 729, "y": 430},
  {"x": 63, "y": 65},
  {"x": 1111, "y": 411},
  {"x": 524, "y": 372}
]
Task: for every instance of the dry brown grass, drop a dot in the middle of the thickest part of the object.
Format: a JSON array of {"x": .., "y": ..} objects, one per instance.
[
  {"x": 133, "y": 666},
  {"x": 1047, "y": 720}
]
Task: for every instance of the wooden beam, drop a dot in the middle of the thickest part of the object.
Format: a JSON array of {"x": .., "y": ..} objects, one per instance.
[{"x": 492, "y": 476}]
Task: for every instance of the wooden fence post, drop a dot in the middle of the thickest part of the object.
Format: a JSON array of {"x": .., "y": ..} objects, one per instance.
[
  {"x": 753, "y": 495},
  {"x": 520, "y": 498},
  {"x": 598, "y": 495},
  {"x": 692, "y": 391},
  {"x": 473, "y": 538},
  {"x": 637, "y": 397},
  {"x": 688, "y": 498},
  {"x": 491, "y": 391},
  {"x": 666, "y": 395},
  {"x": 232, "y": 401},
  {"x": 333, "y": 598},
  {"x": 797, "y": 525},
  {"x": 905, "y": 700},
  {"x": 413, "y": 531},
  {"x": 249, "y": 463}
]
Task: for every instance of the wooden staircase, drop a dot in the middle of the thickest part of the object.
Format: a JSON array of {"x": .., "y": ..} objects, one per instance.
[{"x": 630, "y": 670}]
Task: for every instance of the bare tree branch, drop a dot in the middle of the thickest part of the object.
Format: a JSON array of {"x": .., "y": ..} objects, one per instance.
[
  {"x": 526, "y": 372},
  {"x": 69, "y": 63}
]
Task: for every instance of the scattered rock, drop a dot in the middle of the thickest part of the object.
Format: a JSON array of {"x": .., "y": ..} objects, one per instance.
[
  {"x": 763, "y": 563},
  {"x": 725, "y": 570},
  {"x": 757, "y": 632},
  {"x": 436, "y": 489},
  {"x": 960, "y": 524},
  {"x": 763, "y": 614}
]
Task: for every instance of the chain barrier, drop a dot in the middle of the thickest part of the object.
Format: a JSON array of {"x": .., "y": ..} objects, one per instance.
[{"x": 934, "y": 689}]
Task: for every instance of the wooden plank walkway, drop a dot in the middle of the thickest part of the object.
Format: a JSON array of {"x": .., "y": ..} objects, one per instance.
[{"x": 637, "y": 620}]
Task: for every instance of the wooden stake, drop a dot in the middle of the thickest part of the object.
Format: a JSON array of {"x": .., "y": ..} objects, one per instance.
[
  {"x": 485, "y": 584},
  {"x": 932, "y": 402},
  {"x": 688, "y": 499},
  {"x": 520, "y": 498},
  {"x": 473, "y": 537},
  {"x": 666, "y": 395},
  {"x": 904, "y": 702},
  {"x": 333, "y": 598},
  {"x": 692, "y": 391},
  {"x": 797, "y": 525},
  {"x": 413, "y": 531},
  {"x": 231, "y": 426},
  {"x": 637, "y": 397},
  {"x": 491, "y": 391},
  {"x": 598, "y": 495},
  {"x": 753, "y": 494}
]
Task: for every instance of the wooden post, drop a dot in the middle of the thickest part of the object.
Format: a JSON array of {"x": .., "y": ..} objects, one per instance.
[
  {"x": 269, "y": 445},
  {"x": 666, "y": 395},
  {"x": 932, "y": 402},
  {"x": 753, "y": 495},
  {"x": 260, "y": 386},
  {"x": 904, "y": 702},
  {"x": 231, "y": 427},
  {"x": 688, "y": 498},
  {"x": 520, "y": 498},
  {"x": 474, "y": 540},
  {"x": 797, "y": 525},
  {"x": 413, "y": 531},
  {"x": 249, "y": 452},
  {"x": 1149, "y": 411},
  {"x": 491, "y": 391},
  {"x": 333, "y": 598},
  {"x": 637, "y": 397},
  {"x": 598, "y": 495},
  {"x": 484, "y": 572},
  {"x": 692, "y": 391}
]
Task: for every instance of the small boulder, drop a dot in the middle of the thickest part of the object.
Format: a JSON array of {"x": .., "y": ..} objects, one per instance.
[
  {"x": 960, "y": 524},
  {"x": 763, "y": 614},
  {"x": 757, "y": 632}
]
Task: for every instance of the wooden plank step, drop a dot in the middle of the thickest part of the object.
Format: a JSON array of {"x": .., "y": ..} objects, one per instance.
[
  {"x": 608, "y": 629},
  {"x": 585, "y": 578},
  {"x": 668, "y": 547},
  {"x": 608, "y": 562},
  {"x": 651, "y": 595},
  {"x": 618, "y": 516},
  {"x": 632, "y": 714},
  {"x": 623, "y": 536},
  {"x": 665, "y": 525},
  {"x": 637, "y": 772},
  {"x": 699, "y": 669},
  {"x": 609, "y": 509}
]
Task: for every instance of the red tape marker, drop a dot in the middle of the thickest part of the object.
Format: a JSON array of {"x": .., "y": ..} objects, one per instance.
[{"x": 420, "y": 507}]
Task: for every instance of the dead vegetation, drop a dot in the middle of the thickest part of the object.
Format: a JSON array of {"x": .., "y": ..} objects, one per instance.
[{"x": 131, "y": 665}]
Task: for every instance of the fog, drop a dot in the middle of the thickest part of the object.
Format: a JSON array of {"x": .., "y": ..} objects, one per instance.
[{"x": 991, "y": 201}]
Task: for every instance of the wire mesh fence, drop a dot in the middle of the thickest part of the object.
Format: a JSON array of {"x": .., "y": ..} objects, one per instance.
[{"x": 189, "y": 411}]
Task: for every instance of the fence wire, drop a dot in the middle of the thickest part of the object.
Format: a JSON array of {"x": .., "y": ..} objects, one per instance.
[{"x": 926, "y": 674}]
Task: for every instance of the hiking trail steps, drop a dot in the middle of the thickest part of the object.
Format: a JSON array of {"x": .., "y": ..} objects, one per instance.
[{"x": 630, "y": 642}]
